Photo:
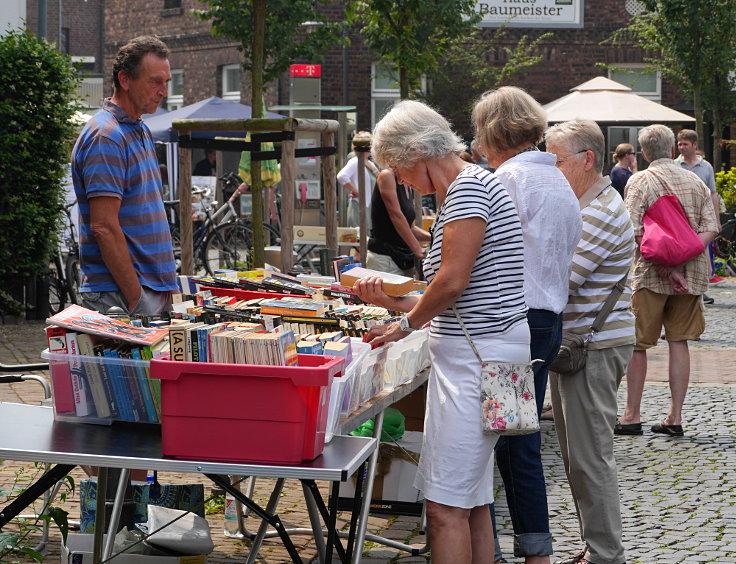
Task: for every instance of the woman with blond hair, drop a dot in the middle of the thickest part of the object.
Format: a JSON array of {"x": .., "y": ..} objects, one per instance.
[
  {"x": 509, "y": 124},
  {"x": 625, "y": 158}
]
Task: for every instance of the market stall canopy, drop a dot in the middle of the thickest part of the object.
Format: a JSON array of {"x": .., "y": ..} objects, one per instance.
[
  {"x": 214, "y": 107},
  {"x": 603, "y": 100}
]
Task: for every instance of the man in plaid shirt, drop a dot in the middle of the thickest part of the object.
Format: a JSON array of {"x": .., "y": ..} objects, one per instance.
[{"x": 665, "y": 296}]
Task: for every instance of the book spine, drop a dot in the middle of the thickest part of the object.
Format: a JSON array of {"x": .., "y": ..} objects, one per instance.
[
  {"x": 99, "y": 396},
  {"x": 130, "y": 379},
  {"x": 144, "y": 386},
  {"x": 118, "y": 384},
  {"x": 154, "y": 383},
  {"x": 60, "y": 371},
  {"x": 193, "y": 344},
  {"x": 107, "y": 382},
  {"x": 178, "y": 343},
  {"x": 83, "y": 403}
]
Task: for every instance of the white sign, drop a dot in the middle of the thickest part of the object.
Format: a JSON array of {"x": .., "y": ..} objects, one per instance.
[{"x": 531, "y": 13}]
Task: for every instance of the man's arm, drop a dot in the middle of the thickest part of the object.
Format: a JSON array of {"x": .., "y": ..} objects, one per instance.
[
  {"x": 716, "y": 208},
  {"x": 106, "y": 229}
]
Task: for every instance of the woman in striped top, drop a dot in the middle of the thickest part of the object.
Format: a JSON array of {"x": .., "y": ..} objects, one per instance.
[{"x": 474, "y": 264}]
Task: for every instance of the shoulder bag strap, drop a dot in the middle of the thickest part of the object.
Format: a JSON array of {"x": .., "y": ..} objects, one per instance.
[
  {"x": 467, "y": 335},
  {"x": 608, "y": 305}
]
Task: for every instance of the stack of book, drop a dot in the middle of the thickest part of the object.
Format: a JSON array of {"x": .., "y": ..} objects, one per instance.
[{"x": 99, "y": 367}]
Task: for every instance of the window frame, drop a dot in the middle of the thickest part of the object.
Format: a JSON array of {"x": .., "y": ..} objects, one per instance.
[
  {"x": 175, "y": 101},
  {"x": 639, "y": 69},
  {"x": 231, "y": 95}
]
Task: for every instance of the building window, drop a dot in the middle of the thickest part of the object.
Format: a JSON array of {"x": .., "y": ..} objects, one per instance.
[
  {"x": 175, "y": 99},
  {"x": 231, "y": 83},
  {"x": 64, "y": 40},
  {"x": 642, "y": 81},
  {"x": 169, "y": 4},
  {"x": 385, "y": 91}
]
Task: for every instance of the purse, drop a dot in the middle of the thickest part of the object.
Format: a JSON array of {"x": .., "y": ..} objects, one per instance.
[
  {"x": 574, "y": 347},
  {"x": 507, "y": 403},
  {"x": 668, "y": 238}
]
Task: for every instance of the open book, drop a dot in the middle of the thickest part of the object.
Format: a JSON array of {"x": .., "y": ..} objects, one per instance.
[{"x": 85, "y": 320}]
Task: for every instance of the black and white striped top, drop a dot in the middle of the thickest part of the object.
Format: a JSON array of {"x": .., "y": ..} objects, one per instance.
[{"x": 493, "y": 301}]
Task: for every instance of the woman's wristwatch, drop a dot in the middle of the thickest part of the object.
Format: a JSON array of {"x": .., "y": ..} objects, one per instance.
[{"x": 404, "y": 324}]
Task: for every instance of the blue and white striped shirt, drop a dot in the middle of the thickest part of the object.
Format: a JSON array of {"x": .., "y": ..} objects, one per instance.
[
  {"x": 115, "y": 156},
  {"x": 493, "y": 301}
]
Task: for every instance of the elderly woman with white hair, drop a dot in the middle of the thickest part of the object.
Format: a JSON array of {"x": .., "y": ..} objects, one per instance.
[{"x": 475, "y": 270}]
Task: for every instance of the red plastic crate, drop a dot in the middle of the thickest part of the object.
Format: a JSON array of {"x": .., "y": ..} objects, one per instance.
[
  {"x": 245, "y": 412},
  {"x": 246, "y": 294}
]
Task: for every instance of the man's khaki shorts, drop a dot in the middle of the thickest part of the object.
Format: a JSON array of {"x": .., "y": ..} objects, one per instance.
[{"x": 681, "y": 314}]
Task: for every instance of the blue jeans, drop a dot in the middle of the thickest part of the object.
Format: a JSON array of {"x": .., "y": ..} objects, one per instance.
[{"x": 519, "y": 457}]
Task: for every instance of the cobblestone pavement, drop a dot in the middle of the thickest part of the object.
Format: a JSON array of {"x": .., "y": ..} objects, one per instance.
[{"x": 678, "y": 495}]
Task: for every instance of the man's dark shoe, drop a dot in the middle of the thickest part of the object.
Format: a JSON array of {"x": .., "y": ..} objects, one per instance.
[
  {"x": 671, "y": 430},
  {"x": 578, "y": 558},
  {"x": 707, "y": 299},
  {"x": 627, "y": 429}
]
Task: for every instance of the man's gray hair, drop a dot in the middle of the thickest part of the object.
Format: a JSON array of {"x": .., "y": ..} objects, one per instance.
[
  {"x": 130, "y": 55},
  {"x": 657, "y": 142},
  {"x": 412, "y": 131},
  {"x": 579, "y": 135}
]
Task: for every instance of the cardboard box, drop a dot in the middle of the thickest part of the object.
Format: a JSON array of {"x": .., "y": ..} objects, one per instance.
[
  {"x": 316, "y": 234},
  {"x": 78, "y": 550},
  {"x": 413, "y": 407},
  {"x": 395, "y": 472}
]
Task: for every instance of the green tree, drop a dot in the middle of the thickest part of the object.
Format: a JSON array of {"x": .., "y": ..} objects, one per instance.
[
  {"x": 694, "y": 45},
  {"x": 465, "y": 73},
  {"x": 270, "y": 36},
  {"x": 412, "y": 35},
  {"x": 37, "y": 88}
]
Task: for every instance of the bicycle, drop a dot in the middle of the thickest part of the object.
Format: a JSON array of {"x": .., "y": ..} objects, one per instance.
[
  {"x": 222, "y": 239},
  {"x": 724, "y": 245},
  {"x": 63, "y": 271}
]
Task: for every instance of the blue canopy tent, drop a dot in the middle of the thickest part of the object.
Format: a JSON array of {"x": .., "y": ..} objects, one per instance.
[{"x": 214, "y": 107}]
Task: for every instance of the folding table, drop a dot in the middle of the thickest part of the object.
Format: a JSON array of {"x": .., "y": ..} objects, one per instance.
[{"x": 29, "y": 433}]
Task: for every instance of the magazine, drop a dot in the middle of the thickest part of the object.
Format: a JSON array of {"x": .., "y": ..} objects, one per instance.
[{"x": 85, "y": 320}]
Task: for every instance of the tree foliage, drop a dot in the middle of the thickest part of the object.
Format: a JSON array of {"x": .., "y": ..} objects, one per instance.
[
  {"x": 412, "y": 35},
  {"x": 468, "y": 70},
  {"x": 692, "y": 44},
  {"x": 286, "y": 39},
  {"x": 37, "y": 88}
]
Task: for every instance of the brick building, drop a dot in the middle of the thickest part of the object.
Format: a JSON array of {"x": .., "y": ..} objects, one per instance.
[{"x": 77, "y": 28}]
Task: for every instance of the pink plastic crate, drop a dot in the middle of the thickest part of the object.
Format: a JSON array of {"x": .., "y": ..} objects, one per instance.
[{"x": 245, "y": 412}]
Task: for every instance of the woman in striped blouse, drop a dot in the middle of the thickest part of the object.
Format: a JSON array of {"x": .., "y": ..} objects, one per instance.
[{"x": 474, "y": 265}]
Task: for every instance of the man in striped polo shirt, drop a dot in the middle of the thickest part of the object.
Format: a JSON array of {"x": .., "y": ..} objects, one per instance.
[
  {"x": 126, "y": 255},
  {"x": 584, "y": 403}
]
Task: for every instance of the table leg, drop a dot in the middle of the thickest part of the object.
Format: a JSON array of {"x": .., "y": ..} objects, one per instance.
[
  {"x": 273, "y": 501},
  {"x": 99, "y": 515},
  {"x": 273, "y": 520},
  {"x": 315, "y": 521},
  {"x": 115, "y": 513},
  {"x": 329, "y": 517},
  {"x": 368, "y": 494},
  {"x": 33, "y": 492},
  {"x": 355, "y": 511}
]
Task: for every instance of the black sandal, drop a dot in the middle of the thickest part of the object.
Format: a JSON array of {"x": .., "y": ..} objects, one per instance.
[
  {"x": 627, "y": 429},
  {"x": 671, "y": 430}
]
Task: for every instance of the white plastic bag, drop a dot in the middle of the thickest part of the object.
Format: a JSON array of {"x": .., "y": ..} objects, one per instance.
[{"x": 189, "y": 536}]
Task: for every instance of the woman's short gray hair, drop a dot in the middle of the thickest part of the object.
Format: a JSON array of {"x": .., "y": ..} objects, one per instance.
[
  {"x": 657, "y": 142},
  {"x": 579, "y": 135},
  {"x": 412, "y": 131}
]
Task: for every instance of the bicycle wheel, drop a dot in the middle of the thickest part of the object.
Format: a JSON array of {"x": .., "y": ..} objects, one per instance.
[
  {"x": 56, "y": 291},
  {"x": 73, "y": 278},
  {"x": 228, "y": 246}
]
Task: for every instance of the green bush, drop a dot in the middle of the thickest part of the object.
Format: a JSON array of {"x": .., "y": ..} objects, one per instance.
[
  {"x": 726, "y": 186},
  {"x": 37, "y": 88}
]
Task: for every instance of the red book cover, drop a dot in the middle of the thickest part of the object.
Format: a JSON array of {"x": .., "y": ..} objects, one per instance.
[
  {"x": 77, "y": 318},
  {"x": 61, "y": 378}
]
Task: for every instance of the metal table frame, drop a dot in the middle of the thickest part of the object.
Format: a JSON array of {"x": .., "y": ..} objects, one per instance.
[
  {"x": 374, "y": 407},
  {"x": 29, "y": 433}
]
